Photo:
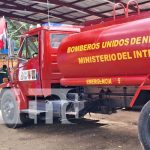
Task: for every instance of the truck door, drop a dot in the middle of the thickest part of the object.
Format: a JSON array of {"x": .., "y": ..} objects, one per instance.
[{"x": 29, "y": 69}]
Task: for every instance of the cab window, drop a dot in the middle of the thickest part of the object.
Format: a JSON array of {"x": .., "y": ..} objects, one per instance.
[
  {"x": 24, "y": 51},
  {"x": 56, "y": 39},
  {"x": 30, "y": 47}
]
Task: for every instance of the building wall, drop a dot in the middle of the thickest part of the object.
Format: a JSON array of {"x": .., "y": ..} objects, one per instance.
[{"x": 4, "y": 61}]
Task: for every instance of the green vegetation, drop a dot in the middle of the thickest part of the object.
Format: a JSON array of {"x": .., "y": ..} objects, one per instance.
[{"x": 15, "y": 29}]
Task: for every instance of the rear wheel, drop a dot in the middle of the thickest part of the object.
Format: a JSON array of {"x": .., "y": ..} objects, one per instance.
[
  {"x": 10, "y": 111},
  {"x": 144, "y": 126}
]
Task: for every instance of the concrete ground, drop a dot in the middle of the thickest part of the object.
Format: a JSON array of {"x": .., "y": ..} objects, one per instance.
[{"x": 96, "y": 132}]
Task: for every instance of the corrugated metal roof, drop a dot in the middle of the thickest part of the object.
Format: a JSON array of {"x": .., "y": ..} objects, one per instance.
[{"x": 63, "y": 11}]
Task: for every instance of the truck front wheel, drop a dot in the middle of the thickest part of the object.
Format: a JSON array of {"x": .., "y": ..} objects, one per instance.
[
  {"x": 144, "y": 126},
  {"x": 10, "y": 110}
]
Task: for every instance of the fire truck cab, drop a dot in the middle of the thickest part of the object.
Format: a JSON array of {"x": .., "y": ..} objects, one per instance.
[{"x": 34, "y": 75}]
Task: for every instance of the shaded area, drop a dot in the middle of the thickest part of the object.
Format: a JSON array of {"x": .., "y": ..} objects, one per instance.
[{"x": 99, "y": 132}]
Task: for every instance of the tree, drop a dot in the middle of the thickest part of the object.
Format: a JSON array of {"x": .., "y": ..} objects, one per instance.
[{"x": 15, "y": 29}]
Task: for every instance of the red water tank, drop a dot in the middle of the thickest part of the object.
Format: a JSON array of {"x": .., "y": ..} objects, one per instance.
[{"x": 117, "y": 50}]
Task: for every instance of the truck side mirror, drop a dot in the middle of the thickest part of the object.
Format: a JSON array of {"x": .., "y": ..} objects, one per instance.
[{"x": 10, "y": 48}]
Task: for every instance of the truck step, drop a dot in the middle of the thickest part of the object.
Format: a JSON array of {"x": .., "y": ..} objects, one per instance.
[{"x": 33, "y": 111}]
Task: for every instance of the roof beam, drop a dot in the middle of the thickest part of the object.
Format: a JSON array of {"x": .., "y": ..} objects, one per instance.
[
  {"x": 22, "y": 18},
  {"x": 98, "y": 5},
  {"x": 31, "y": 9},
  {"x": 70, "y": 5}
]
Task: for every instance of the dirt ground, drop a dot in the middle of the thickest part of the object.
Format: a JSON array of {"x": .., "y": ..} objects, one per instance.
[{"x": 96, "y": 132}]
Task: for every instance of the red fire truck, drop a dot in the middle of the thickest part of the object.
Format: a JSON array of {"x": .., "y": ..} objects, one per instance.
[{"x": 105, "y": 65}]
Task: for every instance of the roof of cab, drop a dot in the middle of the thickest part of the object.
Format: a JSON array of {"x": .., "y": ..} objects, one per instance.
[{"x": 67, "y": 28}]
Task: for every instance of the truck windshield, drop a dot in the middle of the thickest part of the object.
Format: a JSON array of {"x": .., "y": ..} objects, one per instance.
[{"x": 56, "y": 39}]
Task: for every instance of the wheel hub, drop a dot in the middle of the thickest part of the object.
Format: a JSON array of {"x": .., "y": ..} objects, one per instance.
[{"x": 9, "y": 108}]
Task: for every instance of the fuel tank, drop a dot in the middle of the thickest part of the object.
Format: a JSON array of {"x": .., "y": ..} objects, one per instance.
[{"x": 118, "y": 50}]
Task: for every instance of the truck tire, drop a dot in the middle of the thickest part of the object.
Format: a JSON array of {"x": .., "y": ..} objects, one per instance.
[
  {"x": 144, "y": 126},
  {"x": 10, "y": 111}
]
